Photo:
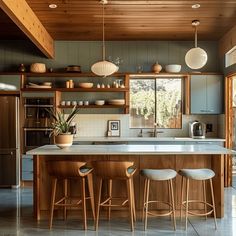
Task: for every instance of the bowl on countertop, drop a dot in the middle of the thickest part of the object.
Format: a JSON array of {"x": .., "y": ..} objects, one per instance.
[
  {"x": 100, "y": 102},
  {"x": 85, "y": 85},
  {"x": 174, "y": 68}
]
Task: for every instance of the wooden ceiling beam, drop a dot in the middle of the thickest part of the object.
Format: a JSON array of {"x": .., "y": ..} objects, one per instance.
[{"x": 23, "y": 16}]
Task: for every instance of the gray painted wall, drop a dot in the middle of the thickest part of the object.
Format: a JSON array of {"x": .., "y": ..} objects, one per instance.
[{"x": 85, "y": 53}]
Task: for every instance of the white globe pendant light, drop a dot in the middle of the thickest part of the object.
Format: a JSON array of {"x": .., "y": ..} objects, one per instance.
[
  {"x": 196, "y": 57},
  {"x": 104, "y": 68}
]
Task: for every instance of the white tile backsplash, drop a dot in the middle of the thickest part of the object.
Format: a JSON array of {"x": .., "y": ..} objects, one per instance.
[{"x": 96, "y": 125}]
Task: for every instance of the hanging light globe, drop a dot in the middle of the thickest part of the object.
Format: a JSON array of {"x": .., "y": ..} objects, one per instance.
[
  {"x": 196, "y": 57},
  {"x": 104, "y": 68}
]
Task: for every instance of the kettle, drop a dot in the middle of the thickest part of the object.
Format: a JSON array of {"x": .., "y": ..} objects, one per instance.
[{"x": 197, "y": 129}]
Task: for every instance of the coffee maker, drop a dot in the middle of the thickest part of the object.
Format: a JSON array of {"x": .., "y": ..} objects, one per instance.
[{"x": 197, "y": 129}]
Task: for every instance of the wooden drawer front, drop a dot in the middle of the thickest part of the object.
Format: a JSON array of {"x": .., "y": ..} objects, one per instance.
[
  {"x": 27, "y": 175},
  {"x": 27, "y": 164}
]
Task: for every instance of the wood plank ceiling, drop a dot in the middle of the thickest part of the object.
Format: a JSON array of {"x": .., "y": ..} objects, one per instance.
[{"x": 135, "y": 20}]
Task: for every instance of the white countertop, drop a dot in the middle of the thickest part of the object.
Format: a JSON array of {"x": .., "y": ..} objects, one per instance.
[
  {"x": 144, "y": 139},
  {"x": 130, "y": 150}
]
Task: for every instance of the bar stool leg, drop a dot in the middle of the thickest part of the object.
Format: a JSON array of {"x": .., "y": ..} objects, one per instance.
[
  {"x": 169, "y": 196},
  {"x": 213, "y": 203},
  {"x": 204, "y": 197},
  {"x": 144, "y": 198},
  {"x": 84, "y": 203},
  {"x": 182, "y": 197},
  {"x": 173, "y": 203},
  {"x": 110, "y": 196},
  {"x": 65, "y": 195},
  {"x": 53, "y": 195},
  {"x": 146, "y": 204},
  {"x": 129, "y": 191},
  {"x": 98, "y": 203},
  {"x": 133, "y": 200},
  {"x": 91, "y": 194},
  {"x": 186, "y": 211}
]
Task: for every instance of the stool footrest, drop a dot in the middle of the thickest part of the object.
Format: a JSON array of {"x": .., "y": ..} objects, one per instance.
[
  {"x": 111, "y": 205},
  {"x": 198, "y": 214}
]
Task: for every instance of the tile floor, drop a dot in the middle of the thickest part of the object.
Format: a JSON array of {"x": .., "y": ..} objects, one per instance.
[{"x": 16, "y": 220}]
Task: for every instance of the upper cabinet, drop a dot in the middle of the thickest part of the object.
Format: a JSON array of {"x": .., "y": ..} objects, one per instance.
[{"x": 206, "y": 94}]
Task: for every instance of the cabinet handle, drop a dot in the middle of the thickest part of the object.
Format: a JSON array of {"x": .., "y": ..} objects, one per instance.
[
  {"x": 203, "y": 110},
  {"x": 210, "y": 110}
]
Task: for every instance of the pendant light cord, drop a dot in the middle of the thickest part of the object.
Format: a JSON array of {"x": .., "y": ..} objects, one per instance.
[
  {"x": 195, "y": 36},
  {"x": 103, "y": 33}
]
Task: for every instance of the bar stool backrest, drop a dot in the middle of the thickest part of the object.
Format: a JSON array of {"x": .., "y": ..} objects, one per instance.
[
  {"x": 113, "y": 169},
  {"x": 65, "y": 169}
]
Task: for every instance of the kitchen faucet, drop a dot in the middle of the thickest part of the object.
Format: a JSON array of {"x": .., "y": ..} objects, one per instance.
[{"x": 155, "y": 132}]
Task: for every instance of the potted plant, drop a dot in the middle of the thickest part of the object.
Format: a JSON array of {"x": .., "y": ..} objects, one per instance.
[{"x": 61, "y": 126}]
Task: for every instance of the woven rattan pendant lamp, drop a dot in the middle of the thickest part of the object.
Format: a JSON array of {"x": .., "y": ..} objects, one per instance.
[
  {"x": 196, "y": 57},
  {"x": 104, "y": 68}
]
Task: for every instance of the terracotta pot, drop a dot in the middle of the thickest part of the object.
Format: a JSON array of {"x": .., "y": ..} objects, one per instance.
[
  {"x": 156, "y": 68},
  {"x": 64, "y": 140}
]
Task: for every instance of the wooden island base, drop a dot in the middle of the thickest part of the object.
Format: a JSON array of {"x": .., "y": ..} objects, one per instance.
[{"x": 42, "y": 183}]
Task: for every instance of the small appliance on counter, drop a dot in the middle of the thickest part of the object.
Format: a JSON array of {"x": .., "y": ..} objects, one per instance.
[{"x": 197, "y": 129}]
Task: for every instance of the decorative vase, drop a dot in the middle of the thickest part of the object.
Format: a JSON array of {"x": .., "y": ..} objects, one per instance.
[
  {"x": 156, "y": 68},
  {"x": 64, "y": 140}
]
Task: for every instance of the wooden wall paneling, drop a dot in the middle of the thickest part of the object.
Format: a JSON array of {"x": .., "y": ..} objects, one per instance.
[
  {"x": 229, "y": 116},
  {"x": 218, "y": 183},
  {"x": 158, "y": 189},
  {"x": 195, "y": 191},
  {"x": 23, "y": 16},
  {"x": 227, "y": 41}
]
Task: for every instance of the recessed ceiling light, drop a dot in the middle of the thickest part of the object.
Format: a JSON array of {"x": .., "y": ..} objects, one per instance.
[
  {"x": 195, "y": 6},
  {"x": 52, "y": 6}
]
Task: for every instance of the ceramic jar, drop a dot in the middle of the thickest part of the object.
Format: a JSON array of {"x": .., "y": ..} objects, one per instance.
[{"x": 156, "y": 68}]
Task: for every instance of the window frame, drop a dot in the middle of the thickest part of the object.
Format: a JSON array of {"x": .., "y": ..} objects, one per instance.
[{"x": 185, "y": 83}]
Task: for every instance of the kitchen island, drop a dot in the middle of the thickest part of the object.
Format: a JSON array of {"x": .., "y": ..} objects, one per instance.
[{"x": 143, "y": 156}]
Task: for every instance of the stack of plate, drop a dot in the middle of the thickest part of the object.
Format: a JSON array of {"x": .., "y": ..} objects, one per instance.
[
  {"x": 46, "y": 85},
  {"x": 116, "y": 101}
]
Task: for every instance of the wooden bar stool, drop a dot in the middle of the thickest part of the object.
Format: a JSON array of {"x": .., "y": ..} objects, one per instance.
[
  {"x": 65, "y": 170},
  {"x": 158, "y": 175},
  {"x": 110, "y": 170},
  {"x": 201, "y": 175}
]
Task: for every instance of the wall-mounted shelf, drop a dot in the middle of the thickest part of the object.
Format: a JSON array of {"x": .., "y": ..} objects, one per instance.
[
  {"x": 95, "y": 106},
  {"x": 76, "y": 89}
]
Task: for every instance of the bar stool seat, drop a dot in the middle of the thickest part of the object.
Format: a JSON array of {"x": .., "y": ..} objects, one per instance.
[
  {"x": 199, "y": 175},
  {"x": 158, "y": 175},
  {"x": 113, "y": 170},
  {"x": 66, "y": 170}
]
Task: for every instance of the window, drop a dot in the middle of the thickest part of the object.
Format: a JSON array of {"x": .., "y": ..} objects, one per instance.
[
  {"x": 230, "y": 57},
  {"x": 156, "y": 100}
]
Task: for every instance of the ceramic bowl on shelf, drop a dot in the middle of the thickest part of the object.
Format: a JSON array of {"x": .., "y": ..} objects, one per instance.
[
  {"x": 99, "y": 102},
  {"x": 85, "y": 85},
  {"x": 38, "y": 68},
  {"x": 116, "y": 101},
  {"x": 173, "y": 68},
  {"x": 47, "y": 83}
]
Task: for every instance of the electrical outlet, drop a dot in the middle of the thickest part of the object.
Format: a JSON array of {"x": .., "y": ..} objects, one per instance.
[{"x": 209, "y": 128}]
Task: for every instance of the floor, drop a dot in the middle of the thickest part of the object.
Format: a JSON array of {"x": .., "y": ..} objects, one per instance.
[{"x": 16, "y": 220}]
